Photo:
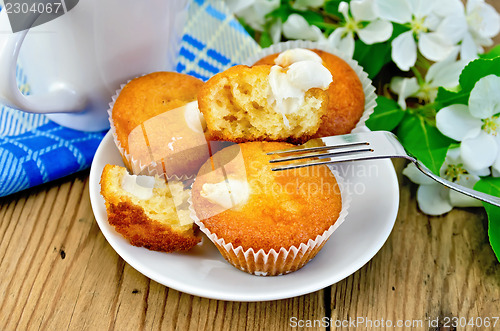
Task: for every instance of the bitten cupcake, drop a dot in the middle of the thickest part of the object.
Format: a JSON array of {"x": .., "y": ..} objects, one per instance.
[
  {"x": 266, "y": 102},
  {"x": 157, "y": 125},
  {"x": 346, "y": 99},
  {"x": 148, "y": 211},
  {"x": 265, "y": 222}
]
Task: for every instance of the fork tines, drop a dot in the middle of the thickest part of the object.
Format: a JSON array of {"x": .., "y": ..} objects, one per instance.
[{"x": 319, "y": 155}]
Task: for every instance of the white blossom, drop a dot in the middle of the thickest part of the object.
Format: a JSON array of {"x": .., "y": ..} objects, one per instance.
[
  {"x": 476, "y": 126},
  {"x": 418, "y": 16},
  {"x": 483, "y": 24},
  {"x": 361, "y": 11},
  {"x": 296, "y": 27},
  {"x": 440, "y": 74},
  {"x": 436, "y": 199},
  {"x": 471, "y": 26}
]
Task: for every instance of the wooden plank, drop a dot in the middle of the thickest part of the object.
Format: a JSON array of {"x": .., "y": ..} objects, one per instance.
[{"x": 58, "y": 272}]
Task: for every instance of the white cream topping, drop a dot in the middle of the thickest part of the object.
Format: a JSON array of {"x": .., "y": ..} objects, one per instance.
[
  {"x": 290, "y": 56},
  {"x": 227, "y": 194},
  {"x": 139, "y": 186},
  {"x": 194, "y": 118},
  {"x": 289, "y": 86}
]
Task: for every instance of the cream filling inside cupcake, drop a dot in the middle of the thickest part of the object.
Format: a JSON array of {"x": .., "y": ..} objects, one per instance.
[
  {"x": 140, "y": 187},
  {"x": 194, "y": 118},
  {"x": 227, "y": 194},
  {"x": 290, "y": 56},
  {"x": 288, "y": 86}
]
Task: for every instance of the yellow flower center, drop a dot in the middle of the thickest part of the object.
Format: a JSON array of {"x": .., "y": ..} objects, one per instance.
[
  {"x": 490, "y": 125},
  {"x": 454, "y": 171},
  {"x": 417, "y": 25}
]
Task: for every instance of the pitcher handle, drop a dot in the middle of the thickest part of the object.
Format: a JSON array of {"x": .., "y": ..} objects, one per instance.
[{"x": 61, "y": 100}]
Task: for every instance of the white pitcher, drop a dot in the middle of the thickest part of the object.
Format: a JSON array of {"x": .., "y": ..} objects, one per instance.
[{"x": 77, "y": 61}]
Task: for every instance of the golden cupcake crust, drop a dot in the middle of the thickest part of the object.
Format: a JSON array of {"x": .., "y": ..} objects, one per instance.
[
  {"x": 146, "y": 97},
  {"x": 346, "y": 100},
  {"x": 129, "y": 217},
  {"x": 130, "y": 221},
  {"x": 236, "y": 108},
  {"x": 284, "y": 208}
]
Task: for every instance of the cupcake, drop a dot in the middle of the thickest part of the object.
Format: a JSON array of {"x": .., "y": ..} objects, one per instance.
[
  {"x": 157, "y": 126},
  {"x": 266, "y": 102},
  {"x": 265, "y": 222},
  {"x": 148, "y": 211},
  {"x": 351, "y": 96}
]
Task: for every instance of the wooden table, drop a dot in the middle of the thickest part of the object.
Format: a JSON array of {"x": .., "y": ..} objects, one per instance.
[{"x": 58, "y": 272}]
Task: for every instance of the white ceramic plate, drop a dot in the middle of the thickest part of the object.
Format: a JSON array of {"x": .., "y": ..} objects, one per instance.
[{"x": 203, "y": 272}]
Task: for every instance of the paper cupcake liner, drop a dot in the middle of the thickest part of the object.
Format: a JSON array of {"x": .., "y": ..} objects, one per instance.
[
  {"x": 136, "y": 166},
  {"x": 368, "y": 88},
  {"x": 274, "y": 263}
]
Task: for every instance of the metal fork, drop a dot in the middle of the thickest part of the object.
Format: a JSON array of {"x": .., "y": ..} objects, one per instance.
[{"x": 362, "y": 146}]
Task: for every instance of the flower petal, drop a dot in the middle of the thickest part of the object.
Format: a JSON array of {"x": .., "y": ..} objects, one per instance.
[
  {"x": 296, "y": 27},
  {"x": 456, "y": 122},
  {"x": 447, "y": 8},
  {"x": 461, "y": 200},
  {"x": 363, "y": 10},
  {"x": 344, "y": 9},
  {"x": 483, "y": 18},
  {"x": 343, "y": 43},
  {"x": 495, "y": 167},
  {"x": 411, "y": 171},
  {"x": 468, "y": 48},
  {"x": 484, "y": 100},
  {"x": 275, "y": 30},
  {"x": 404, "y": 51},
  {"x": 495, "y": 171},
  {"x": 433, "y": 46},
  {"x": 404, "y": 87},
  {"x": 375, "y": 32},
  {"x": 453, "y": 27},
  {"x": 397, "y": 11},
  {"x": 458, "y": 199},
  {"x": 445, "y": 73},
  {"x": 421, "y": 8},
  {"x": 479, "y": 152},
  {"x": 433, "y": 199}
]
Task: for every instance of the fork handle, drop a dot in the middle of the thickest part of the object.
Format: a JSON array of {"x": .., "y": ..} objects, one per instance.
[{"x": 459, "y": 188}]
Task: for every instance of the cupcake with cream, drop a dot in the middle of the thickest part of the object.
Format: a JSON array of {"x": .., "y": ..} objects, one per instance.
[
  {"x": 280, "y": 102},
  {"x": 264, "y": 222}
]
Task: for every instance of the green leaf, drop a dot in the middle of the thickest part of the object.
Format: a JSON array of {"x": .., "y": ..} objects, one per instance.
[
  {"x": 493, "y": 53},
  {"x": 372, "y": 57},
  {"x": 423, "y": 141},
  {"x": 476, "y": 70},
  {"x": 332, "y": 7},
  {"x": 311, "y": 17},
  {"x": 265, "y": 39},
  {"x": 473, "y": 72},
  {"x": 282, "y": 12},
  {"x": 386, "y": 116},
  {"x": 446, "y": 98},
  {"x": 491, "y": 186}
]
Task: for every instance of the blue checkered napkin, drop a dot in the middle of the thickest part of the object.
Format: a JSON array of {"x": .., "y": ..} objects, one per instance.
[
  {"x": 35, "y": 150},
  {"x": 213, "y": 40}
]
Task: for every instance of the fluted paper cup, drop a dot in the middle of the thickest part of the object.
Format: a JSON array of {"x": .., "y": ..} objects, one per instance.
[{"x": 286, "y": 259}]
